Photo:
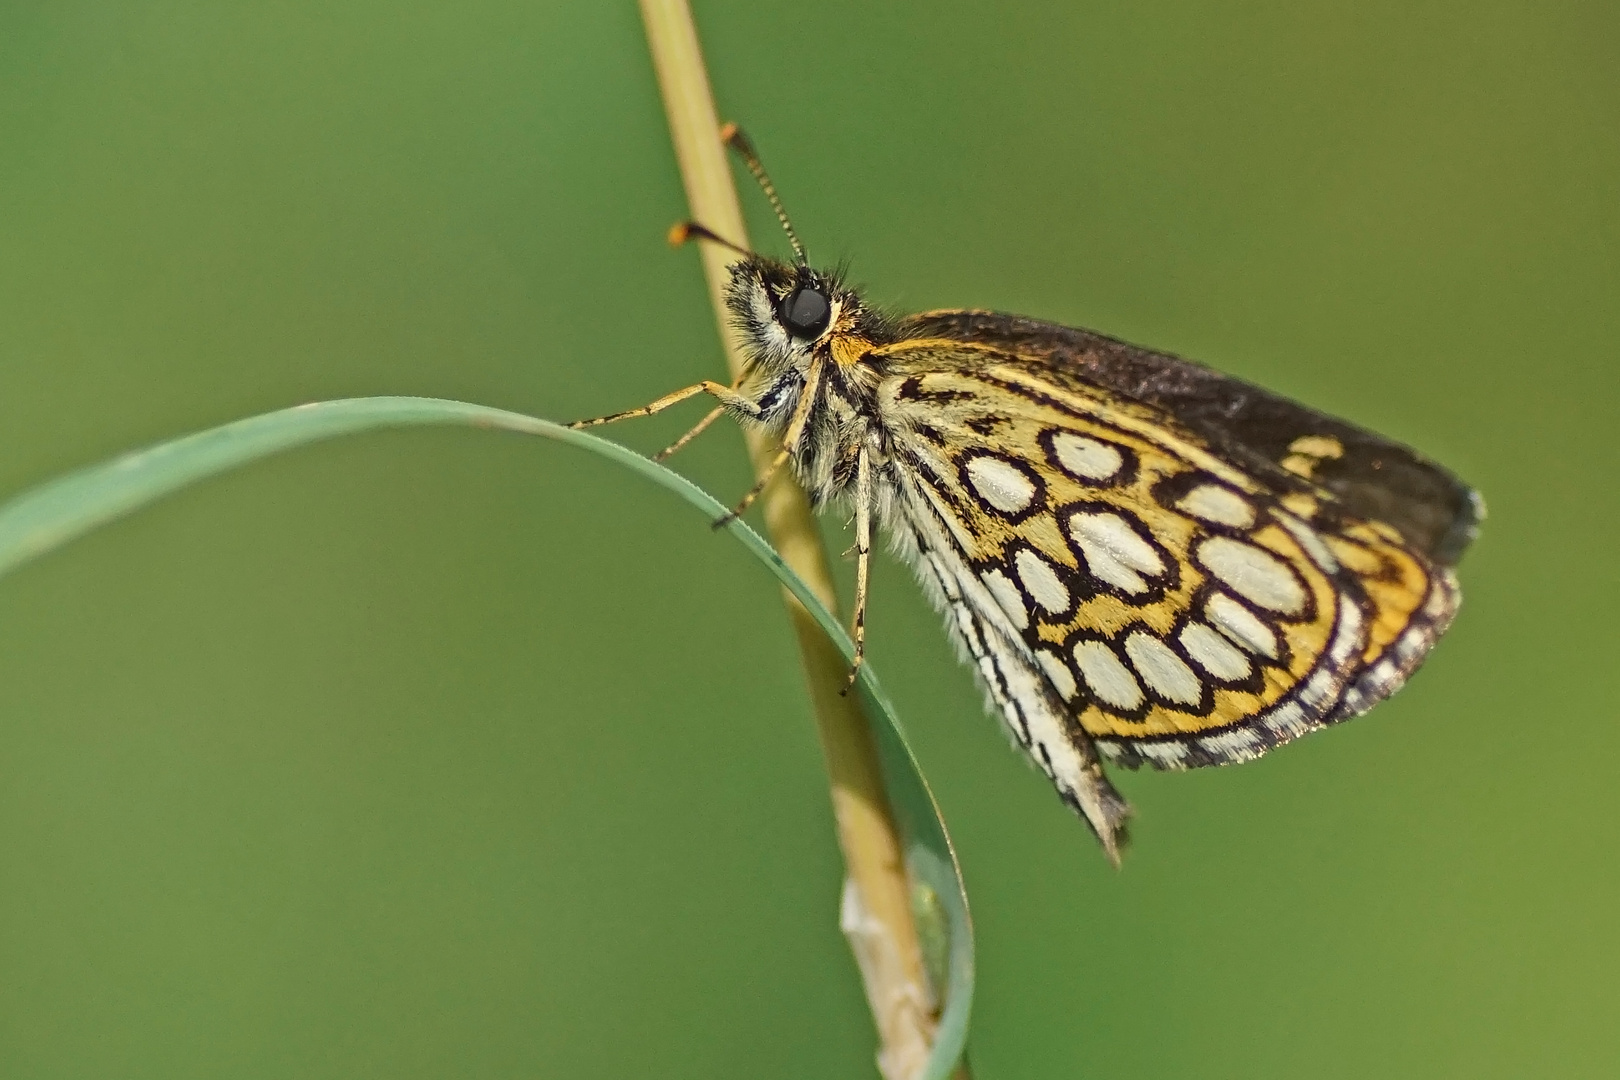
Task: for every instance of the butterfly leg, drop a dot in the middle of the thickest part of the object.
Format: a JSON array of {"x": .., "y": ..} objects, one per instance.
[
  {"x": 790, "y": 442},
  {"x": 702, "y": 425},
  {"x": 863, "y": 559},
  {"x": 693, "y": 432},
  {"x": 728, "y": 398}
]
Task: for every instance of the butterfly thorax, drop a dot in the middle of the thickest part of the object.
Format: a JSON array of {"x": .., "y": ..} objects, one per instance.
[{"x": 803, "y": 327}]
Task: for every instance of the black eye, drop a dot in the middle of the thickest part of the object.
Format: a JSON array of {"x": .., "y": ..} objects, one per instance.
[{"x": 805, "y": 312}]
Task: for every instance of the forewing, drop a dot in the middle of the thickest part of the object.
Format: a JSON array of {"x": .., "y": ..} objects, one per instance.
[
  {"x": 1183, "y": 611},
  {"x": 1372, "y": 478}
]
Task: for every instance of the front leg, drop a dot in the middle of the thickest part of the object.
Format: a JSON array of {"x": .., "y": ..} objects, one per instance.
[
  {"x": 790, "y": 442},
  {"x": 713, "y": 414},
  {"x": 727, "y": 397}
]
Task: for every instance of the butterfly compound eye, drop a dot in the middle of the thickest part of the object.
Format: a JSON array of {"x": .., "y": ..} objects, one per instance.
[{"x": 805, "y": 312}]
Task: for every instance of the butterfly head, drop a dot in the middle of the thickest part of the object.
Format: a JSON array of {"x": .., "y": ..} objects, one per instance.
[{"x": 792, "y": 315}]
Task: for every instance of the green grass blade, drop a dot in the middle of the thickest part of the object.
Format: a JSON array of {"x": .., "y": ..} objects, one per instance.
[{"x": 50, "y": 515}]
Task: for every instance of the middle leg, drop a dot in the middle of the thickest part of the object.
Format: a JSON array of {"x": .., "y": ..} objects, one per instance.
[{"x": 863, "y": 559}]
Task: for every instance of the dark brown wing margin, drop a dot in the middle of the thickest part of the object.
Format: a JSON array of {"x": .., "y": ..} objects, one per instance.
[{"x": 1374, "y": 479}]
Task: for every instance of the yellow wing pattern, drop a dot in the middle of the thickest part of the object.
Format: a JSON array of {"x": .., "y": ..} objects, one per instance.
[{"x": 1182, "y": 612}]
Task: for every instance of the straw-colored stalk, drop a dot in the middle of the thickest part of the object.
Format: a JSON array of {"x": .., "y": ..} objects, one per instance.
[{"x": 877, "y": 914}]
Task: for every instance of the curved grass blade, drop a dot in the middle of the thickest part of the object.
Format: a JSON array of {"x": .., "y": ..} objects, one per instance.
[{"x": 50, "y": 515}]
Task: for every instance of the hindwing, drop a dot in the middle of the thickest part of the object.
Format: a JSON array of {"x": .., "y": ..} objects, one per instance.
[{"x": 1187, "y": 599}]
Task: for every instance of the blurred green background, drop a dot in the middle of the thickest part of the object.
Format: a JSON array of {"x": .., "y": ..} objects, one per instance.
[{"x": 446, "y": 754}]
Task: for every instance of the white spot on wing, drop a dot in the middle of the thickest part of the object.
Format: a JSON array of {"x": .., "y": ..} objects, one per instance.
[
  {"x": 1056, "y": 670},
  {"x": 1313, "y": 544},
  {"x": 1042, "y": 581},
  {"x": 1000, "y": 484},
  {"x": 1110, "y": 680},
  {"x": 1221, "y": 505},
  {"x": 1008, "y": 596},
  {"x": 1167, "y": 755},
  {"x": 1213, "y": 653},
  {"x": 1162, "y": 669},
  {"x": 1113, "y": 551},
  {"x": 1288, "y": 720},
  {"x": 1347, "y": 636},
  {"x": 1240, "y": 624},
  {"x": 1086, "y": 458},
  {"x": 1319, "y": 686},
  {"x": 1253, "y": 573},
  {"x": 1240, "y": 744}
]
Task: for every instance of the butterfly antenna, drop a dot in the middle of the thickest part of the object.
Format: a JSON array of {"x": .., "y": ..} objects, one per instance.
[
  {"x": 733, "y": 136},
  {"x": 684, "y": 231}
]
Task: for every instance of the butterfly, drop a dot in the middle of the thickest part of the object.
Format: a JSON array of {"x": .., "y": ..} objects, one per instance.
[{"x": 1143, "y": 560}]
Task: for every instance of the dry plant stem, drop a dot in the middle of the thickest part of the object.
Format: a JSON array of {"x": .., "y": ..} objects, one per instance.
[{"x": 890, "y": 959}]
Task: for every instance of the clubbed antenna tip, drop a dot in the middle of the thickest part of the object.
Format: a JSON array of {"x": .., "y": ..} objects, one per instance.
[{"x": 733, "y": 136}]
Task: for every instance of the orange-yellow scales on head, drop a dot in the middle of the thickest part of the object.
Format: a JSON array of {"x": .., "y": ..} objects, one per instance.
[{"x": 847, "y": 349}]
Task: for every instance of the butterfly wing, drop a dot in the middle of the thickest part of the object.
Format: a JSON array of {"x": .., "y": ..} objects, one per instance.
[
  {"x": 1372, "y": 478},
  {"x": 1188, "y": 596}
]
